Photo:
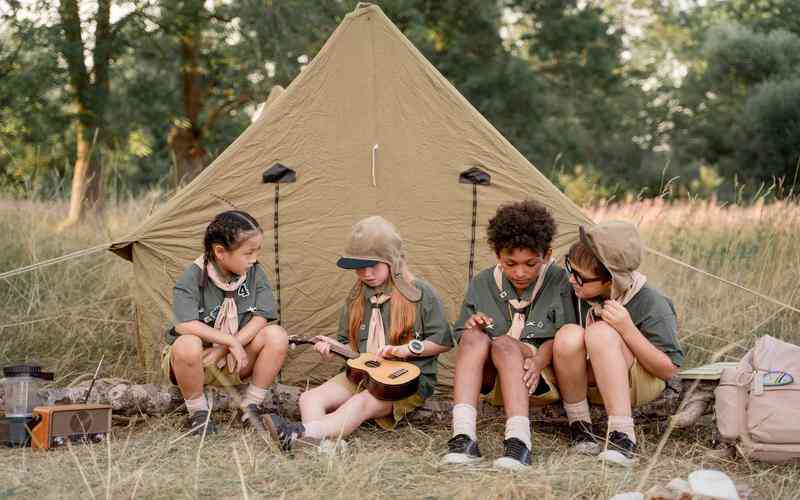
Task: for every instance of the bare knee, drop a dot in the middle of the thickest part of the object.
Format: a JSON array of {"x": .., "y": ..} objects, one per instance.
[
  {"x": 274, "y": 338},
  {"x": 569, "y": 341},
  {"x": 370, "y": 405},
  {"x": 504, "y": 348},
  {"x": 187, "y": 350},
  {"x": 601, "y": 337},
  {"x": 474, "y": 340}
]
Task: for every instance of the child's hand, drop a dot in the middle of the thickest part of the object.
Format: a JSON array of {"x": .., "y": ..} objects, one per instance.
[
  {"x": 323, "y": 346},
  {"x": 479, "y": 320},
  {"x": 237, "y": 352},
  {"x": 532, "y": 374},
  {"x": 617, "y": 316},
  {"x": 213, "y": 355},
  {"x": 395, "y": 352}
]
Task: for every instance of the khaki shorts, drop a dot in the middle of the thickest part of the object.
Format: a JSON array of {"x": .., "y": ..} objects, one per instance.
[
  {"x": 213, "y": 375},
  {"x": 644, "y": 386},
  {"x": 495, "y": 397},
  {"x": 400, "y": 408}
]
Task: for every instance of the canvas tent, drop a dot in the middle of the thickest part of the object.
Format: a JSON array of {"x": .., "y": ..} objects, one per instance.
[{"x": 368, "y": 127}]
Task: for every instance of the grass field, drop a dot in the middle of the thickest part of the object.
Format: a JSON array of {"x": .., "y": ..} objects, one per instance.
[{"x": 66, "y": 315}]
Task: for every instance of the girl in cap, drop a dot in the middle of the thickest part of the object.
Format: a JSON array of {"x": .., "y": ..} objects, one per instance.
[
  {"x": 221, "y": 306},
  {"x": 507, "y": 322},
  {"x": 625, "y": 345},
  {"x": 389, "y": 312}
]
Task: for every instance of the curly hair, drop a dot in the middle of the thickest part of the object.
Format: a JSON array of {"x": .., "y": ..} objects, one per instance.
[{"x": 522, "y": 224}]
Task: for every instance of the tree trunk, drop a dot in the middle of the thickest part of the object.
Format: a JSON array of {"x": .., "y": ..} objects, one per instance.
[
  {"x": 150, "y": 399},
  {"x": 189, "y": 157},
  {"x": 86, "y": 191},
  {"x": 185, "y": 137},
  {"x": 90, "y": 99}
]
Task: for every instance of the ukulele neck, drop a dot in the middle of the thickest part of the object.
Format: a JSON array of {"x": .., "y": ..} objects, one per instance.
[{"x": 341, "y": 351}]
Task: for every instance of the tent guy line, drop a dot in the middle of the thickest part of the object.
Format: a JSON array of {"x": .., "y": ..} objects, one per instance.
[{"x": 106, "y": 246}]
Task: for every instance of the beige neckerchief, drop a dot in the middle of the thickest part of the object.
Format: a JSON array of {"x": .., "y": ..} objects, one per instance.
[
  {"x": 596, "y": 311},
  {"x": 227, "y": 320},
  {"x": 377, "y": 335},
  {"x": 518, "y": 306}
]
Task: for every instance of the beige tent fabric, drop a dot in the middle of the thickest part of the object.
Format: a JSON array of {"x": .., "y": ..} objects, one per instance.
[{"x": 367, "y": 86}]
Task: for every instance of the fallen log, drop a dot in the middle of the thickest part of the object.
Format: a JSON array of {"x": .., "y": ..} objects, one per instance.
[{"x": 128, "y": 400}]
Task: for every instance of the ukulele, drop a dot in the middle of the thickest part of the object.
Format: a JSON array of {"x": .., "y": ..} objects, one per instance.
[{"x": 386, "y": 379}]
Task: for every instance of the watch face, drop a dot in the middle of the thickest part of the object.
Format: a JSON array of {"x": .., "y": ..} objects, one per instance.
[{"x": 416, "y": 346}]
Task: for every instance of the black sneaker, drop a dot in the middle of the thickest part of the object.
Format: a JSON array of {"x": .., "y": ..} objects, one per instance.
[
  {"x": 284, "y": 432},
  {"x": 200, "y": 422},
  {"x": 582, "y": 439},
  {"x": 462, "y": 449},
  {"x": 251, "y": 418},
  {"x": 619, "y": 449},
  {"x": 516, "y": 456}
]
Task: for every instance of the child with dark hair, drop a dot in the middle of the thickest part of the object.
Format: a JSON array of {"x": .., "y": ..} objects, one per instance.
[
  {"x": 625, "y": 345},
  {"x": 507, "y": 322},
  {"x": 221, "y": 306}
]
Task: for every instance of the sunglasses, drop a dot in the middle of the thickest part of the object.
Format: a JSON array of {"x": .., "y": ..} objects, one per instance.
[{"x": 580, "y": 280}]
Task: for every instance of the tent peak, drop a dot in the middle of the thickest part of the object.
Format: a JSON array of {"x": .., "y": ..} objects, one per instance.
[{"x": 364, "y": 7}]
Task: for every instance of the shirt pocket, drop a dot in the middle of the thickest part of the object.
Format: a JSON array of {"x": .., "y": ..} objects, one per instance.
[{"x": 545, "y": 324}]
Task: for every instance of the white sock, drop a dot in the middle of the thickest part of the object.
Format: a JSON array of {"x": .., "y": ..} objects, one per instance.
[
  {"x": 520, "y": 428},
  {"x": 622, "y": 424},
  {"x": 464, "y": 420},
  {"x": 315, "y": 430},
  {"x": 578, "y": 412},
  {"x": 197, "y": 404},
  {"x": 253, "y": 395}
]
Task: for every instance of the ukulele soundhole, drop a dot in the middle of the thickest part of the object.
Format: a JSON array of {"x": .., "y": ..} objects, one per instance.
[
  {"x": 398, "y": 373},
  {"x": 372, "y": 363}
]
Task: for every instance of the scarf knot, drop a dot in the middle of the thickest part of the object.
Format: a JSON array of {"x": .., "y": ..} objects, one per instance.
[
  {"x": 377, "y": 335},
  {"x": 520, "y": 308}
]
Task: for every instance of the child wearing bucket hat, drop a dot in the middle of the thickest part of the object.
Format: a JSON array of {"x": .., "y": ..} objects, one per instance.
[
  {"x": 625, "y": 344},
  {"x": 507, "y": 322},
  {"x": 389, "y": 312}
]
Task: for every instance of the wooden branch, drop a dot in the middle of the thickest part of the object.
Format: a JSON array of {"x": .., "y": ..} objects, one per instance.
[{"x": 129, "y": 399}]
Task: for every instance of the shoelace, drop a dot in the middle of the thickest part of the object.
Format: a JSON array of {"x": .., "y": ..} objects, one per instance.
[
  {"x": 459, "y": 444},
  {"x": 515, "y": 448}
]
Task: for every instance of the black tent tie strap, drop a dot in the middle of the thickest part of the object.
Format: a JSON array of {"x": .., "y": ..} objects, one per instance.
[
  {"x": 278, "y": 174},
  {"x": 474, "y": 176}
]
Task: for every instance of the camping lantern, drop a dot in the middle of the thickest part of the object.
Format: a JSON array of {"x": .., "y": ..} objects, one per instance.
[{"x": 21, "y": 394}]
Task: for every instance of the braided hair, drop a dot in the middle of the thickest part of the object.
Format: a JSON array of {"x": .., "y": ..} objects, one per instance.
[{"x": 229, "y": 229}]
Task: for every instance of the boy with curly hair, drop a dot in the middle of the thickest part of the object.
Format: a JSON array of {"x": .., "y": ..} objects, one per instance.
[{"x": 507, "y": 322}]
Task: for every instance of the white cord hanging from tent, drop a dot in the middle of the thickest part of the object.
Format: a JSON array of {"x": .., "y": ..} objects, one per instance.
[{"x": 374, "y": 153}]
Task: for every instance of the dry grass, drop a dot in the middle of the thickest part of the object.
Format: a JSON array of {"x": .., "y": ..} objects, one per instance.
[{"x": 67, "y": 315}]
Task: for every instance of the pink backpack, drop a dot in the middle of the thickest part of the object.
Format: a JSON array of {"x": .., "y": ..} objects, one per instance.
[{"x": 757, "y": 402}]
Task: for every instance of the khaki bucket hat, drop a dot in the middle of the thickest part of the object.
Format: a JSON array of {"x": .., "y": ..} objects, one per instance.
[
  {"x": 374, "y": 240},
  {"x": 618, "y": 246}
]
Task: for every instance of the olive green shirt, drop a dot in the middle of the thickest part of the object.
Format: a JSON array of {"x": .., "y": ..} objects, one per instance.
[
  {"x": 430, "y": 325},
  {"x": 253, "y": 297},
  {"x": 551, "y": 309},
  {"x": 654, "y": 315}
]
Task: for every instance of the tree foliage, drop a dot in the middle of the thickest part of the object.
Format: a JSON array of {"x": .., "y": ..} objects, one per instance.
[{"x": 160, "y": 88}]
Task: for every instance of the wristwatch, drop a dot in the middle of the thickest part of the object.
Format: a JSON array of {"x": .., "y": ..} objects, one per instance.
[{"x": 416, "y": 347}]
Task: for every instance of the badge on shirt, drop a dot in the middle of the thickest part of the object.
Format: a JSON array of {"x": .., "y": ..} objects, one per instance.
[{"x": 243, "y": 291}]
